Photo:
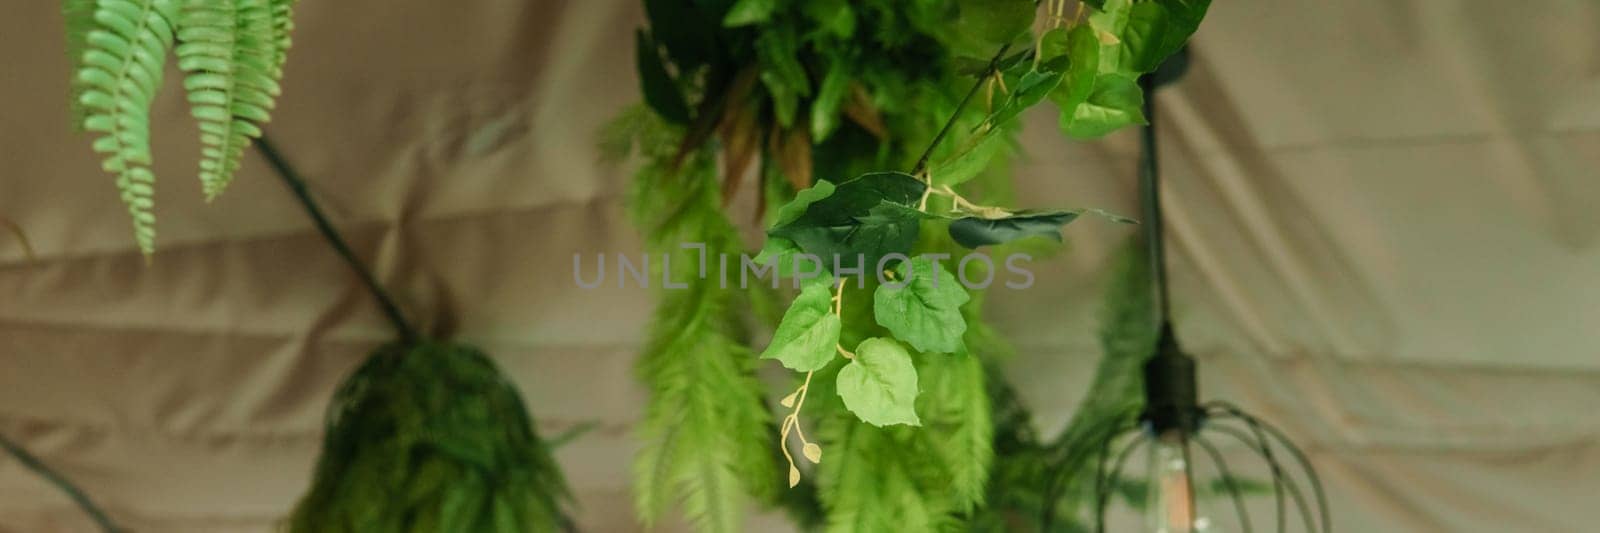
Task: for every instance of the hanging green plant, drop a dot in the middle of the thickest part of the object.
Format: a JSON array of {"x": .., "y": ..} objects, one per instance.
[
  {"x": 431, "y": 437},
  {"x": 232, "y": 52},
  {"x": 845, "y": 107},
  {"x": 426, "y": 435}
]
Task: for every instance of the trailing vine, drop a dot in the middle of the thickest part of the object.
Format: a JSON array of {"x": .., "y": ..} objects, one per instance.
[
  {"x": 232, "y": 52},
  {"x": 827, "y": 95}
]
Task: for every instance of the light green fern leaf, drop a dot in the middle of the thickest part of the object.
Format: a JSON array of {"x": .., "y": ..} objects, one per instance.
[
  {"x": 230, "y": 48},
  {"x": 960, "y": 428},
  {"x": 123, "y": 48},
  {"x": 880, "y": 479},
  {"x": 706, "y": 432},
  {"x": 282, "y": 12},
  {"x": 78, "y": 16}
]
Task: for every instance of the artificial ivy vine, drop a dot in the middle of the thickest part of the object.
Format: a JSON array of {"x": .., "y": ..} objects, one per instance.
[
  {"x": 830, "y": 98},
  {"x": 232, "y": 53}
]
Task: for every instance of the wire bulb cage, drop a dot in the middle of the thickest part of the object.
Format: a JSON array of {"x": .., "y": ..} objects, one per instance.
[{"x": 1188, "y": 485}]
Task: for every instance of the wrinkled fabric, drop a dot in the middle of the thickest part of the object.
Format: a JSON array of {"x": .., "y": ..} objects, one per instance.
[{"x": 1383, "y": 239}]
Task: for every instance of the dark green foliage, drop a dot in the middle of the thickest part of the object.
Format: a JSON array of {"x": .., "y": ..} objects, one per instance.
[
  {"x": 1000, "y": 226},
  {"x": 432, "y": 439},
  {"x": 832, "y": 89},
  {"x": 688, "y": 30},
  {"x": 872, "y": 215},
  {"x": 778, "y": 53},
  {"x": 1158, "y": 29},
  {"x": 973, "y": 232},
  {"x": 982, "y": 24},
  {"x": 660, "y": 91},
  {"x": 1123, "y": 40}
]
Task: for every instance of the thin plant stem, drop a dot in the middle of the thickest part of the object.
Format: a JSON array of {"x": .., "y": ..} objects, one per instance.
[
  {"x": 994, "y": 63},
  {"x": 297, "y": 185},
  {"x": 55, "y": 478}
]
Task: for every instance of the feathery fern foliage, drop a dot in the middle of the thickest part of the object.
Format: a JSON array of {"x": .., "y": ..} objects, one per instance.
[
  {"x": 233, "y": 53},
  {"x": 230, "y": 52},
  {"x": 123, "y": 47},
  {"x": 706, "y": 429},
  {"x": 901, "y": 478}
]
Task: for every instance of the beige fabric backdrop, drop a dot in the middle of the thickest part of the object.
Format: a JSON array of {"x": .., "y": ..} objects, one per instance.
[{"x": 1386, "y": 240}]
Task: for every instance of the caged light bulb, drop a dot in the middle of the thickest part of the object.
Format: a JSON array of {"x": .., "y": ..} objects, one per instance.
[{"x": 1171, "y": 504}]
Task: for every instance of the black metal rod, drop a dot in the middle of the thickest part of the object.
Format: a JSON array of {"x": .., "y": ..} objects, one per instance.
[
  {"x": 1264, "y": 447},
  {"x": 297, "y": 185},
  {"x": 1299, "y": 457},
  {"x": 1272, "y": 462},
  {"x": 1228, "y": 481},
  {"x": 1102, "y": 495},
  {"x": 1150, "y": 197},
  {"x": 1061, "y": 468},
  {"x": 49, "y": 474}
]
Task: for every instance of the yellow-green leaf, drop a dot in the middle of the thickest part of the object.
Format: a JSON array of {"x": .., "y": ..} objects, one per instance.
[{"x": 880, "y": 384}]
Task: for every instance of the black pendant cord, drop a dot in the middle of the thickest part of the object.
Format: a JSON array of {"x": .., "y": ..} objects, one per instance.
[
  {"x": 1171, "y": 390},
  {"x": 1150, "y": 198},
  {"x": 55, "y": 478},
  {"x": 297, "y": 185}
]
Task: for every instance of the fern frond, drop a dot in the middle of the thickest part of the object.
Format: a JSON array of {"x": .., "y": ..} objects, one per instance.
[
  {"x": 875, "y": 479},
  {"x": 706, "y": 431},
  {"x": 230, "y": 50},
  {"x": 124, "y": 46},
  {"x": 282, "y": 12},
  {"x": 78, "y": 16},
  {"x": 960, "y": 427}
]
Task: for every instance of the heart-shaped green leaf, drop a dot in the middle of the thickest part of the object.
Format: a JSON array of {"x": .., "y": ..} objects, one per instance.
[
  {"x": 923, "y": 308},
  {"x": 1116, "y": 101},
  {"x": 1158, "y": 29},
  {"x": 880, "y": 384},
  {"x": 802, "y": 201},
  {"x": 807, "y": 338}
]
